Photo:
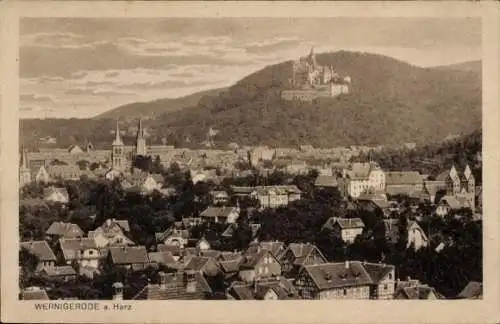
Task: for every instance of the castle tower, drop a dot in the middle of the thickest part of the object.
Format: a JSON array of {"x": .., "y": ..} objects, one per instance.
[
  {"x": 24, "y": 171},
  {"x": 117, "y": 153},
  {"x": 140, "y": 144}
]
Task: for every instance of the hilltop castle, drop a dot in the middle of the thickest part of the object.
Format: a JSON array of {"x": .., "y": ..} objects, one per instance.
[{"x": 311, "y": 81}]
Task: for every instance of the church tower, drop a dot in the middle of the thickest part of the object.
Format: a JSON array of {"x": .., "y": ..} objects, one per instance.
[
  {"x": 117, "y": 153},
  {"x": 24, "y": 171},
  {"x": 140, "y": 144}
]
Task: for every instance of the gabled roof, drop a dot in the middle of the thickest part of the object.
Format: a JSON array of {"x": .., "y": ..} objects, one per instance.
[
  {"x": 129, "y": 254},
  {"x": 214, "y": 211},
  {"x": 326, "y": 181},
  {"x": 40, "y": 249},
  {"x": 351, "y": 273},
  {"x": 197, "y": 263},
  {"x": 229, "y": 256},
  {"x": 453, "y": 202},
  {"x": 165, "y": 258},
  {"x": 175, "y": 289},
  {"x": 59, "y": 271},
  {"x": 230, "y": 266},
  {"x": 337, "y": 275},
  {"x": 301, "y": 251},
  {"x": 47, "y": 192},
  {"x": 241, "y": 291},
  {"x": 34, "y": 293},
  {"x": 72, "y": 247},
  {"x": 347, "y": 223},
  {"x": 67, "y": 230},
  {"x": 174, "y": 249},
  {"x": 250, "y": 259},
  {"x": 403, "y": 178},
  {"x": 418, "y": 292},
  {"x": 109, "y": 223},
  {"x": 473, "y": 290},
  {"x": 275, "y": 247},
  {"x": 160, "y": 237}
]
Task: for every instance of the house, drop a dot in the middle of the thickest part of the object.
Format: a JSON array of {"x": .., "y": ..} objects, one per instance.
[
  {"x": 64, "y": 273},
  {"x": 432, "y": 187},
  {"x": 346, "y": 280},
  {"x": 231, "y": 229},
  {"x": 414, "y": 289},
  {"x": 64, "y": 172},
  {"x": 42, "y": 251},
  {"x": 275, "y": 247},
  {"x": 83, "y": 251},
  {"x": 271, "y": 289},
  {"x": 176, "y": 251},
  {"x": 202, "y": 264},
  {"x": 276, "y": 196},
  {"x": 374, "y": 201},
  {"x": 166, "y": 259},
  {"x": 75, "y": 149},
  {"x": 65, "y": 230},
  {"x": 449, "y": 203},
  {"x": 359, "y": 178},
  {"x": 114, "y": 231},
  {"x": 460, "y": 183},
  {"x": 297, "y": 255},
  {"x": 42, "y": 176},
  {"x": 33, "y": 293},
  {"x": 203, "y": 244},
  {"x": 142, "y": 182},
  {"x": 326, "y": 181},
  {"x": 130, "y": 257},
  {"x": 219, "y": 197},
  {"x": 259, "y": 264},
  {"x": 345, "y": 228},
  {"x": 403, "y": 182},
  {"x": 173, "y": 236},
  {"x": 222, "y": 214},
  {"x": 269, "y": 196},
  {"x": 180, "y": 285},
  {"x": 416, "y": 235},
  {"x": 56, "y": 195},
  {"x": 473, "y": 290}
]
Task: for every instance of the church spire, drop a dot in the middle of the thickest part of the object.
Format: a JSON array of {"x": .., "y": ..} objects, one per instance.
[
  {"x": 118, "y": 141},
  {"x": 140, "y": 130}
]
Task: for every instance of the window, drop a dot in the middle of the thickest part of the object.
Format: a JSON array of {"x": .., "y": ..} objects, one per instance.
[
  {"x": 385, "y": 286},
  {"x": 390, "y": 276},
  {"x": 91, "y": 252},
  {"x": 345, "y": 292}
]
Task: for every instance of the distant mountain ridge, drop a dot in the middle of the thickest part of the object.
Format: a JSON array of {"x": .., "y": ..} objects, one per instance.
[
  {"x": 391, "y": 102},
  {"x": 157, "y": 107}
]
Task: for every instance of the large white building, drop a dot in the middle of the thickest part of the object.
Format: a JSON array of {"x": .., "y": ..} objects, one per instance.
[{"x": 360, "y": 178}]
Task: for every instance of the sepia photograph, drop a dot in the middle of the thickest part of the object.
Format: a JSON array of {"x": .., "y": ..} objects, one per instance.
[{"x": 250, "y": 159}]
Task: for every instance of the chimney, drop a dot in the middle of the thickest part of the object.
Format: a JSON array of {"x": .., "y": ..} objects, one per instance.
[
  {"x": 108, "y": 222},
  {"x": 118, "y": 291},
  {"x": 347, "y": 264},
  {"x": 190, "y": 281},
  {"x": 163, "y": 279}
]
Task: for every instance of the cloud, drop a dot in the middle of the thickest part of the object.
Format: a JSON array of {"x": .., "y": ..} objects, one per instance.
[{"x": 82, "y": 67}]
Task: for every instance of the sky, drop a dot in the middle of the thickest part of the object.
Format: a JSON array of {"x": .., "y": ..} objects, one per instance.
[{"x": 81, "y": 67}]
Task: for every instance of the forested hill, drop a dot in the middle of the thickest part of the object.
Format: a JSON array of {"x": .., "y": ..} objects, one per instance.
[
  {"x": 434, "y": 158},
  {"x": 391, "y": 102}
]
